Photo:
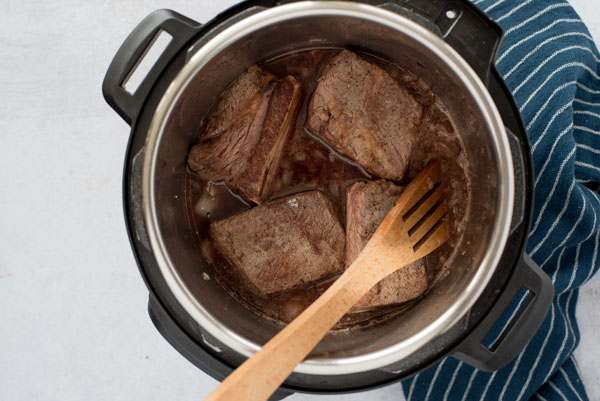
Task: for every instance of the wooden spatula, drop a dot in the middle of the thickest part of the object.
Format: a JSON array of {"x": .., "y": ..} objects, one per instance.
[{"x": 411, "y": 230}]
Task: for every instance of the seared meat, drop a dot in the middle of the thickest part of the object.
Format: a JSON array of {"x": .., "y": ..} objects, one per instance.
[
  {"x": 283, "y": 244},
  {"x": 367, "y": 204},
  {"x": 364, "y": 114},
  {"x": 245, "y": 133}
]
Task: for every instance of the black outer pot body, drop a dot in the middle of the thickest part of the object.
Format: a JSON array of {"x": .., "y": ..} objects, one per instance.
[{"x": 477, "y": 39}]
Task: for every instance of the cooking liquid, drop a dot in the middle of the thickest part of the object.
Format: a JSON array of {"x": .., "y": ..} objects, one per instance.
[{"x": 309, "y": 163}]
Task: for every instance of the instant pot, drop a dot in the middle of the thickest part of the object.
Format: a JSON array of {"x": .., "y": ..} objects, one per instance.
[{"x": 452, "y": 46}]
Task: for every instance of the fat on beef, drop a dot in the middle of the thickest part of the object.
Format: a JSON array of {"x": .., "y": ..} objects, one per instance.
[
  {"x": 367, "y": 204},
  {"x": 245, "y": 133},
  {"x": 365, "y": 115},
  {"x": 283, "y": 244}
]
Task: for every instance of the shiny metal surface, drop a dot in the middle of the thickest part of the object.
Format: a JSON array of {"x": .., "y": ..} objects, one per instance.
[{"x": 260, "y": 36}]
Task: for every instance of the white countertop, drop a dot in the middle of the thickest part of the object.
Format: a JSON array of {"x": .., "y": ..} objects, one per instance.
[{"x": 72, "y": 303}]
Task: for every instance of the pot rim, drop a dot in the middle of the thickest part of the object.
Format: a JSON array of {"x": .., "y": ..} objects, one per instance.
[{"x": 468, "y": 77}]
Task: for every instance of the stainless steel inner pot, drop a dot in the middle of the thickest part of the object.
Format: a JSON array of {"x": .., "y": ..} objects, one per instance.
[{"x": 214, "y": 63}]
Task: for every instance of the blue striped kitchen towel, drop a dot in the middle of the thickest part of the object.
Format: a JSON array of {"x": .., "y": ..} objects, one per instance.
[{"x": 552, "y": 66}]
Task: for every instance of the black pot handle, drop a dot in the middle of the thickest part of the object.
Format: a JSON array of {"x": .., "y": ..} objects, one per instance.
[
  {"x": 461, "y": 24},
  {"x": 521, "y": 327},
  {"x": 473, "y": 34},
  {"x": 131, "y": 52}
]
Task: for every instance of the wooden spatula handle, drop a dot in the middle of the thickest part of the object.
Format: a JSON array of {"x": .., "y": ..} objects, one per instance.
[{"x": 259, "y": 377}]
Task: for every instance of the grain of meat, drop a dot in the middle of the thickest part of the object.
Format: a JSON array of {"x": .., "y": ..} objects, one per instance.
[
  {"x": 366, "y": 115},
  {"x": 367, "y": 204},
  {"x": 246, "y": 132},
  {"x": 283, "y": 244}
]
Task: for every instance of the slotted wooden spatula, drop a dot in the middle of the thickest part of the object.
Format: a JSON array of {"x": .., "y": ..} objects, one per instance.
[{"x": 411, "y": 230}]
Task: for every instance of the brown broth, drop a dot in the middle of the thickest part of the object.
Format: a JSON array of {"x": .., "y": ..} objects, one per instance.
[{"x": 309, "y": 163}]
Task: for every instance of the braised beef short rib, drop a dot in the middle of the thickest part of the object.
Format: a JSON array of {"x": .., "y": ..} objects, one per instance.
[
  {"x": 245, "y": 133},
  {"x": 283, "y": 244},
  {"x": 364, "y": 114},
  {"x": 367, "y": 204}
]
